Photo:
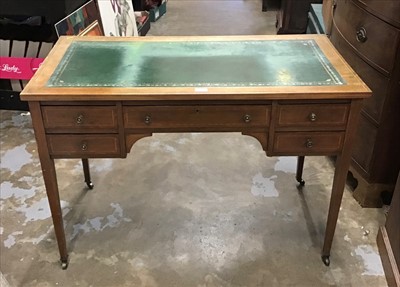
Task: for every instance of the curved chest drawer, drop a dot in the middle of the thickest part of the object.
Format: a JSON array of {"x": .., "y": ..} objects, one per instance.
[
  {"x": 388, "y": 10},
  {"x": 374, "y": 39},
  {"x": 377, "y": 82},
  {"x": 61, "y": 119}
]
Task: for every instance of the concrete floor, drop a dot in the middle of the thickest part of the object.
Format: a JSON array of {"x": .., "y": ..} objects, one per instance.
[{"x": 183, "y": 209}]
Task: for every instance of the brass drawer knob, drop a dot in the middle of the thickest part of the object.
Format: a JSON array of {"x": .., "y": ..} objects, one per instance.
[
  {"x": 312, "y": 117},
  {"x": 309, "y": 143},
  {"x": 247, "y": 118},
  {"x": 361, "y": 35},
  {"x": 79, "y": 119},
  {"x": 84, "y": 146},
  {"x": 147, "y": 120}
]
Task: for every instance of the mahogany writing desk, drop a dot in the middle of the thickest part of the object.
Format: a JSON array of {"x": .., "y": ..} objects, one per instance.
[{"x": 95, "y": 97}]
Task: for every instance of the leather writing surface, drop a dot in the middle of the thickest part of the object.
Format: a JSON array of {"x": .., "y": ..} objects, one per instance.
[{"x": 194, "y": 63}]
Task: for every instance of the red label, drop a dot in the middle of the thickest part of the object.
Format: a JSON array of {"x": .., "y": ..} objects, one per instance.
[{"x": 19, "y": 68}]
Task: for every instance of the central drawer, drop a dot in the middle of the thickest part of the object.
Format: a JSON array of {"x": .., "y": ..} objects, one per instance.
[
  {"x": 312, "y": 117},
  {"x": 221, "y": 117}
]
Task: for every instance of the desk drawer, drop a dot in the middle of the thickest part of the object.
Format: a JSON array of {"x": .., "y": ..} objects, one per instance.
[
  {"x": 82, "y": 146},
  {"x": 313, "y": 116},
  {"x": 80, "y": 118},
  {"x": 196, "y": 116},
  {"x": 308, "y": 143}
]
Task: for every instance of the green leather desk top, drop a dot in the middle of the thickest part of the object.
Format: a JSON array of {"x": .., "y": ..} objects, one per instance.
[{"x": 194, "y": 64}]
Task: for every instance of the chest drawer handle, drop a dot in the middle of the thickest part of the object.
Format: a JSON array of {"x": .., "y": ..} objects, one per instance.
[
  {"x": 79, "y": 119},
  {"x": 309, "y": 143},
  {"x": 312, "y": 117},
  {"x": 84, "y": 146},
  {"x": 247, "y": 118},
  {"x": 147, "y": 120},
  {"x": 361, "y": 35}
]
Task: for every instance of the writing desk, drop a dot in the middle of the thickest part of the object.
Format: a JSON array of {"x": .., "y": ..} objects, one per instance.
[{"x": 95, "y": 97}]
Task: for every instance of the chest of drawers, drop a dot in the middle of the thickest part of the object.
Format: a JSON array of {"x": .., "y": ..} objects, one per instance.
[{"x": 367, "y": 34}]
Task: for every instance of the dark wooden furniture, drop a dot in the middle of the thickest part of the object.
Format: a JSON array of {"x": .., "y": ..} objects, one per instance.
[
  {"x": 53, "y": 11},
  {"x": 271, "y": 5},
  {"x": 139, "y": 5},
  {"x": 33, "y": 23},
  {"x": 389, "y": 240},
  {"x": 145, "y": 5},
  {"x": 367, "y": 34},
  {"x": 292, "y": 17},
  {"x": 288, "y": 111}
]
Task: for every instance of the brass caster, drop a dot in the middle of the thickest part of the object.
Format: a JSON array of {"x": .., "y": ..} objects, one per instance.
[
  {"x": 326, "y": 260},
  {"x": 64, "y": 264},
  {"x": 90, "y": 185}
]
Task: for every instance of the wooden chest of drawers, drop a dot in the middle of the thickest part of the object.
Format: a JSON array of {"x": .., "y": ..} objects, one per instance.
[{"x": 367, "y": 34}]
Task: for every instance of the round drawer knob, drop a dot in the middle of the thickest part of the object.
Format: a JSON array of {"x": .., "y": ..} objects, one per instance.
[
  {"x": 309, "y": 143},
  {"x": 312, "y": 117},
  {"x": 147, "y": 120},
  {"x": 361, "y": 35},
  {"x": 79, "y": 119},
  {"x": 84, "y": 146},
  {"x": 247, "y": 118}
]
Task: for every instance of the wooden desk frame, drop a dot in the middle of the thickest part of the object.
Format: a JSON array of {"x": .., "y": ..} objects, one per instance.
[{"x": 93, "y": 122}]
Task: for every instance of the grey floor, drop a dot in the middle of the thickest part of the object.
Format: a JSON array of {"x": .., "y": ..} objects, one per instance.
[{"x": 183, "y": 209}]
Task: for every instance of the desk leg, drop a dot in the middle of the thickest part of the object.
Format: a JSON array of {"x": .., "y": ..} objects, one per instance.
[
  {"x": 339, "y": 179},
  {"x": 50, "y": 181},
  {"x": 86, "y": 172},
  {"x": 299, "y": 171}
]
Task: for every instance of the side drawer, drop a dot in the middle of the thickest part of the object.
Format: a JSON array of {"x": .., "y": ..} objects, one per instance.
[
  {"x": 164, "y": 117},
  {"x": 373, "y": 38},
  {"x": 82, "y": 146},
  {"x": 59, "y": 119},
  {"x": 308, "y": 143},
  {"x": 313, "y": 116}
]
